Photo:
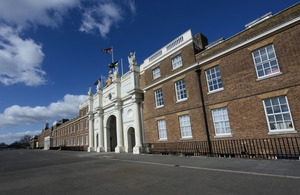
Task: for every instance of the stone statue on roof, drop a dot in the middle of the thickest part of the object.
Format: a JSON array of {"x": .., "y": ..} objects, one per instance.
[
  {"x": 132, "y": 60},
  {"x": 108, "y": 81}
]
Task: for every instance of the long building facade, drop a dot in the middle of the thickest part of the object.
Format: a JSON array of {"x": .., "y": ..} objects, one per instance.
[{"x": 244, "y": 87}]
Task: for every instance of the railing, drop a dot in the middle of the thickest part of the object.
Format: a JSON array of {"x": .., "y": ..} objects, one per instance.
[
  {"x": 264, "y": 148},
  {"x": 72, "y": 148},
  {"x": 156, "y": 55},
  {"x": 174, "y": 43}
]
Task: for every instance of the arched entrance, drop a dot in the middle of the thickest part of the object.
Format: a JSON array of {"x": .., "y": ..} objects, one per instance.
[
  {"x": 131, "y": 139},
  {"x": 111, "y": 133},
  {"x": 97, "y": 140}
]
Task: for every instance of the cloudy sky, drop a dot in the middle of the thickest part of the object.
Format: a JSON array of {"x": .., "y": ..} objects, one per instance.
[{"x": 50, "y": 50}]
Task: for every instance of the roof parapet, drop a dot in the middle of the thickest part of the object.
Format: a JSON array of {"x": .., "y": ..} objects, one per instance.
[
  {"x": 214, "y": 43},
  {"x": 259, "y": 20}
]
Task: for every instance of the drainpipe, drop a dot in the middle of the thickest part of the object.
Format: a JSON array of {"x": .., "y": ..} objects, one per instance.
[{"x": 198, "y": 71}]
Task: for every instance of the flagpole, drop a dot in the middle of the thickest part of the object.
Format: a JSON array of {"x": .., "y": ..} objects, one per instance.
[
  {"x": 112, "y": 54},
  {"x": 122, "y": 65}
]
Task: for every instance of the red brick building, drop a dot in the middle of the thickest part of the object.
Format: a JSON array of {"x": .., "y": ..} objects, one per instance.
[
  {"x": 67, "y": 133},
  {"x": 249, "y": 84}
]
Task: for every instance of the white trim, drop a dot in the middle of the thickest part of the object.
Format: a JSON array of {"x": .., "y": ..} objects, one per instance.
[
  {"x": 278, "y": 131},
  {"x": 215, "y": 91},
  {"x": 162, "y": 131},
  {"x": 224, "y": 52},
  {"x": 163, "y": 140},
  {"x": 186, "y": 138},
  {"x": 269, "y": 76},
  {"x": 187, "y": 39},
  {"x": 281, "y": 132},
  {"x": 159, "y": 98},
  {"x": 183, "y": 99},
  {"x": 266, "y": 61},
  {"x": 223, "y": 135}
]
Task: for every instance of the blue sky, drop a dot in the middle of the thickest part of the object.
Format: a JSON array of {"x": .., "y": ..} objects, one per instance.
[{"x": 50, "y": 50}]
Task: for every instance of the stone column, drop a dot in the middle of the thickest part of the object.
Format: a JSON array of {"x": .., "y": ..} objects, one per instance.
[
  {"x": 120, "y": 147},
  {"x": 100, "y": 148},
  {"x": 91, "y": 133},
  {"x": 137, "y": 127},
  {"x": 106, "y": 146}
]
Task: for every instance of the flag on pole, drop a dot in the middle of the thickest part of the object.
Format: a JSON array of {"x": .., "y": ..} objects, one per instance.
[
  {"x": 96, "y": 83},
  {"x": 108, "y": 50},
  {"x": 112, "y": 65}
]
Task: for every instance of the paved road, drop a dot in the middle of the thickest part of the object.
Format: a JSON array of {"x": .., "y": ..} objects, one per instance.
[{"x": 65, "y": 172}]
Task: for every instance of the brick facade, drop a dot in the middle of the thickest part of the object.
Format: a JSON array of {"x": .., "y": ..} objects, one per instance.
[
  {"x": 66, "y": 131},
  {"x": 242, "y": 93}
]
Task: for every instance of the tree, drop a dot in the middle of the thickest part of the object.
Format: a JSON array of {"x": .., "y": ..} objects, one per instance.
[{"x": 25, "y": 140}]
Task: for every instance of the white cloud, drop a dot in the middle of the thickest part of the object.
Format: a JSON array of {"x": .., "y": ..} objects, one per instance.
[
  {"x": 20, "y": 59},
  {"x": 132, "y": 6},
  {"x": 17, "y": 115},
  {"x": 101, "y": 18},
  {"x": 25, "y": 13},
  {"x": 12, "y": 137}
]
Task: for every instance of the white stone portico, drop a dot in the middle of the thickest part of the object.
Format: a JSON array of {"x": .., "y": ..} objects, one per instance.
[{"x": 115, "y": 113}]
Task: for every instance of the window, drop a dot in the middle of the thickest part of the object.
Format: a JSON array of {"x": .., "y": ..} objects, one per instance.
[
  {"x": 82, "y": 140},
  {"x": 162, "y": 129},
  {"x": 86, "y": 139},
  {"x": 156, "y": 73},
  {"x": 265, "y": 61},
  {"x": 73, "y": 141},
  {"x": 278, "y": 113},
  {"x": 213, "y": 78},
  {"x": 180, "y": 90},
  {"x": 159, "y": 98},
  {"x": 78, "y": 140},
  {"x": 81, "y": 125},
  {"x": 70, "y": 141},
  {"x": 176, "y": 62},
  {"x": 185, "y": 126},
  {"x": 78, "y": 126},
  {"x": 221, "y": 121},
  {"x": 86, "y": 124},
  {"x": 74, "y": 128}
]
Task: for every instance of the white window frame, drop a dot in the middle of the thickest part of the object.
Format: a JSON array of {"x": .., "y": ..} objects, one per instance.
[
  {"x": 81, "y": 125},
  {"x": 275, "y": 113},
  {"x": 156, "y": 73},
  {"x": 213, "y": 79},
  {"x": 260, "y": 66},
  {"x": 86, "y": 124},
  {"x": 162, "y": 129},
  {"x": 82, "y": 140},
  {"x": 180, "y": 90},
  {"x": 86, "y": 139},
  {"x": 176, "y": 62},
  {"x": 185, "y": 126},
  {"x": 221, "y": 121},
  {"x": 78, "y": 140},
  {"x": 73, "y": 141},
  {"x": 159, "y": 100}
]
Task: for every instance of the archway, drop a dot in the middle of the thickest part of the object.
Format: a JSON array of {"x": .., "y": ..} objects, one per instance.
[
  {"x": 131, "y": 139},
  {"x": 111, "y": 133},
  {"x": 97, "y": 140}
]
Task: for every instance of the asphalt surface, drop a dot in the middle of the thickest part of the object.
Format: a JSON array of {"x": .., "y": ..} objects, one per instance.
[{"x": 66, "y": 172}]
